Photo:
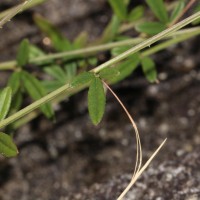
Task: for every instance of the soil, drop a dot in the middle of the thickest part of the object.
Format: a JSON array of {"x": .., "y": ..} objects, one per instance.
[{"x": 71, "y": 159}]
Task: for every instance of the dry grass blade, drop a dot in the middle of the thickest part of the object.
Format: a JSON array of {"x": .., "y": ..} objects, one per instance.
[
  {"x": 15, "y": 10},
  {"x": 138, "y": 166},
  {"x": 136, "y": 176},
  {"x": 138, "y": 143}
]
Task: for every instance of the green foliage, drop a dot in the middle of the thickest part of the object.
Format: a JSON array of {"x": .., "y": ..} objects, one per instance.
[
  {"x": 111, "y": 30},
  {"x": 36, "y": 90},
  {"x": 82, "y": 79},
  {"x": 23, "y": 53},
  {"x": 14, "y": 81},
  {"x": 5, "y": 101},
  {"x": 96, "y": 100},
  {"x": 109, "y": 73},
  {"x": 126, "y": 68},
  {"x": 177, "y": 10},
  {"x": 60, "y": 70},
  {"x": 149, "y": 69},
  {"x": 119, "y": 8},
  {"x": 151, "y": 28},
  {"x": 7, "y": 146},
  {"x": 159, "y": 9},
  {"x": 136, "y": 13},
  {"x": 59, "y": 42}
]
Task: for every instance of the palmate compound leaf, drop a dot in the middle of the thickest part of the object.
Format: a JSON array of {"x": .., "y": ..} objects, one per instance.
[
  {"x": 36, "y": 90},
  {"x": 177, "y": 10},
  {"x": 7, "y": 146},
  {"x": 5, "y": 101},
  {"x": 96, "y": 100}
]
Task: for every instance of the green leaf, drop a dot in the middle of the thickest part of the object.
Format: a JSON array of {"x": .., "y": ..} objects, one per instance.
[
  {"x": 50, "y": 86},
  {"x": 7, "y": 146},
  {"x": 177, "y": 10},
  {"x": 5, "y": 101},
  {"x": 96, "y": 100},
  {"x": 81, "y": 40},
  {"x": 23, "y": 53},
  {"x": 159, "y": 9},
  {"x": 136, "y": 14},
  {"x": 14, "y": 81},
  {"x": 118, "y": 50},
  {"x": 111, "y": 30},
  {"x": 36, "y": 90},
  {"x": 16, "y": 104},
  {"x": 126, "y": 68},
  {"x": 35, "y": 52},
  {"x": 59, "y": 42},
  {"x": 149, "y": 69},
  {"x": 109, "y": 73},
  {"x": 150, "y": 28},
  {"x": 92, "y": 61},
  {"x": 119, "y": 8},
  {"x": 56, "y": 72},
  {"x": 70, "y": 70},
  {"x": 82, "y": 79}
]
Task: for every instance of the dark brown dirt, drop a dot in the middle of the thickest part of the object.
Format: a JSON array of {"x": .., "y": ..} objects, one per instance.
[{"x": 71, "y": 159}]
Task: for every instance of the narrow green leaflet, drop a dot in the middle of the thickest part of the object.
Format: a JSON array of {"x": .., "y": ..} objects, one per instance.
[
  {"x": 119, "y": 8},
  {"x": 149, "y": 69},
  {"x": 59, "y": 42},
  {"x": 126, "y": 68},
  {"x": 150, "y": 28},
  {"x": 136, "y": 13},
  {"x": 118, "y": 50},
  {"x": 81, "y": 40},
  {"x": 7, "y": 146},
  {"x": 96, "y": 100},
  {"x": 23, "y": 53},
  {"x": 159, "y": 9},
  {"x": 14, "y": 81},
  {"x": 51, "y": 86},
  {"x": 5, "y": 101},
  {"x": 36, "y": 90},
  {"x": 111, "y": 30},
  {"x": 82, "y": 79},
  {"x": 56, "y": 72},
  {"x": 177, "y": 10},
  {"x": 35, "y": 52},
  {"x": 70, "y": 70},
  {"x": 109, "y": 73}
]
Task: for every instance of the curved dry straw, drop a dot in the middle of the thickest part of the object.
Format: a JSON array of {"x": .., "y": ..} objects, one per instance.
[{"x": 138, "y": 165}]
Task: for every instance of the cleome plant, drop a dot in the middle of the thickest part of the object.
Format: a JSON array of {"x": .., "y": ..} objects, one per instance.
[{"x": 74, "y": 65}]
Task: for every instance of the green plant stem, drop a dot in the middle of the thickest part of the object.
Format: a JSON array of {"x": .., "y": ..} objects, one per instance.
[
  {"x": 11, "y": 65},
  {"x": 66, "y": 88},
  {"x": 148, "y": 42},
  {"x": 168, "y": 43},
  {"x": 31, "y": 4}
]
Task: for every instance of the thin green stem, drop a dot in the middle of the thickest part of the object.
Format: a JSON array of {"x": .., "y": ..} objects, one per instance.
[
  {"x": 148, "y": 42},
  {"x": 25, "y": 7},
  {"x": 11, "y": 65},
  {"x": 66, "y": 88}
]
